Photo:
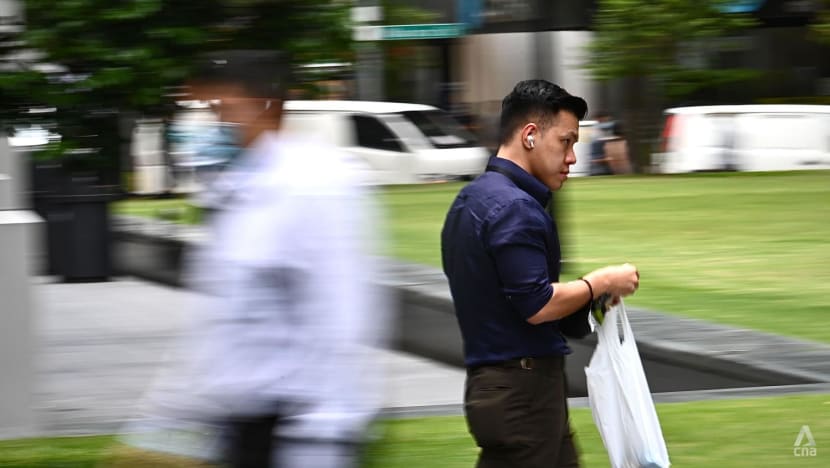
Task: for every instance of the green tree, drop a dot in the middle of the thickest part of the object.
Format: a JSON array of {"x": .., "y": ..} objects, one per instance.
[
  {"x": 658, "y": 49},
  {"x": 121, "y": 59},
  {"x": 403, "y": 57},
  {"x": 821, "y": 26}
]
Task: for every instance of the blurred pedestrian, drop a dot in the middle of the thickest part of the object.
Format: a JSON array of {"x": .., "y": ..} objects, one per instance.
[
  {"x": 615, "y": 150},
  {"x": 500, "y": 252},
  {"x": 609, "y": 148},
  {"x": 279, "y": 351},
  {"x": 599, "y": 165}
]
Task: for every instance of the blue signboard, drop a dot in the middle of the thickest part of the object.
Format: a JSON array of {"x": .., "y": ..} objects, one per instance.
[
  {"x": 469, "y": 13},
  {"x": 742, "y": 6}
]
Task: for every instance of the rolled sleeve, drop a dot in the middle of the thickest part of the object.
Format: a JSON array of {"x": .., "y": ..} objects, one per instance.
[{"x": 516, "y": 241}]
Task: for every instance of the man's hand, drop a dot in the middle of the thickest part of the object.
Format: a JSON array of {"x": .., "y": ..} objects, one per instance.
[{"x": 618, "y": 281}]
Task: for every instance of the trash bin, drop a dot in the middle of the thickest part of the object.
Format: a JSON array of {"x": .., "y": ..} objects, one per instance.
[
  {"x": 78, "y": 227},
  {"x": 78, "y": 231}
]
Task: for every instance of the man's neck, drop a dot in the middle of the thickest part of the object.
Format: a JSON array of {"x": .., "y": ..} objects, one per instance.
[{"x": 514, "y": 155}]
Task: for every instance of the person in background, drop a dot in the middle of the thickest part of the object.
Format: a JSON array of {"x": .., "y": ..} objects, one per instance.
[
  {"x": 500, "y": 252},
  {"x": 279, "y": 357},
  {"x": 615, "y": 150},
  {"x": 599, "y": 165}
]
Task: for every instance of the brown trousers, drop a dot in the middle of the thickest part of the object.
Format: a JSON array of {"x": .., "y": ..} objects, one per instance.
[{"x": 517, "y": 412}]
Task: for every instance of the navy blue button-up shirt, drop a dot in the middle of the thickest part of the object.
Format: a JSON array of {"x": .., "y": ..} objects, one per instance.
[{"x": 500, "y": 252}]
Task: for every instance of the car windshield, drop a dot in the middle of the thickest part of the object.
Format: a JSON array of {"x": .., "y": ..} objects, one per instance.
[{"x": 441, "y": 129}]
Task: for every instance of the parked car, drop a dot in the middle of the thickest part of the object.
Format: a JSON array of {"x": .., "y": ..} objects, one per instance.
[
  {"x": 400, "y": 143},
  {"x": 745, "y": 138}
]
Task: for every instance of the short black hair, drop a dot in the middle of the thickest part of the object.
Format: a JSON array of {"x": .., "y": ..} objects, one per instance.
[
  {"x": 260, "y": 73},
  {"x": 538, "y": 100}
]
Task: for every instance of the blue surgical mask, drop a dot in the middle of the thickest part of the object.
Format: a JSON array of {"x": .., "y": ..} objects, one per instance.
[
  {"x": 205, "y": 143},
  {"x": 221, "y": 143}
]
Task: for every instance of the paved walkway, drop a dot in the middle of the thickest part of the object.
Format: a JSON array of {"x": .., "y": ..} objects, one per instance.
[{"x": 102, "y": 344}]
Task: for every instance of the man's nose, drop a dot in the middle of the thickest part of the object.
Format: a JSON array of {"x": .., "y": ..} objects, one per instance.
[{"x": 570, "y": 158}]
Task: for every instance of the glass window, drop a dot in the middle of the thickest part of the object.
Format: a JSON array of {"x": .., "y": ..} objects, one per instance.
[
  {"x": 441, "y": 129},
  {"x": 371, "y": 133}
]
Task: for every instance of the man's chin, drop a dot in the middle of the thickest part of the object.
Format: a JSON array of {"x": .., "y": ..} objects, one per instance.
[{"x": 555, "y": 184}]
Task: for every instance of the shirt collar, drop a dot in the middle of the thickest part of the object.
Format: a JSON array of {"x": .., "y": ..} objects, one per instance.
[{"x": 523, "y": 180}]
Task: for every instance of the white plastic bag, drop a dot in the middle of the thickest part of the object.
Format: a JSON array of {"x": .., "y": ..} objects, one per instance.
[{"x": 620, "y": 400}]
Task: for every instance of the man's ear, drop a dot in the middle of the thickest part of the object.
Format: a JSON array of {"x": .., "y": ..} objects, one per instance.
[{"x": 528, "y": 136}]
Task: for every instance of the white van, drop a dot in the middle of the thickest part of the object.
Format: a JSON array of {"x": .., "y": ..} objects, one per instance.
[
  {"x": 401, "y": 143},
  {"x": 582, "y": 148},
  {"x": 745, "y": 138}
]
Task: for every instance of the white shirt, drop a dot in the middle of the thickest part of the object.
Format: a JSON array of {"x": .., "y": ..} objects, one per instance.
[{"x": 289, "y": 276}]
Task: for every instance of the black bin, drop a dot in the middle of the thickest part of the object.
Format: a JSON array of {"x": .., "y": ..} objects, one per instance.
[
  {"x": 78, "y": 230},
  {"x": 76, "y": 211}
]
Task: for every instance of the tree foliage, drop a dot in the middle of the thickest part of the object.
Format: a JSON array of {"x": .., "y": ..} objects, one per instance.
[
  {"x": 645, "y": 38},
  {"x": 659, "y": 49},
  {"x": 820, "y": 28},
  {"x": 112, "y": 61},
  {"x": 127, "y": 54}
]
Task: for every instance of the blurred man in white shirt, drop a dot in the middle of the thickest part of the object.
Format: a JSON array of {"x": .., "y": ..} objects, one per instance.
[{"x": 280, "y": 348}]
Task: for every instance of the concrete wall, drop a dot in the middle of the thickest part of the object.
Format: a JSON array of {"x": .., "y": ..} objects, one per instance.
[{"x": 491, "y": 64}]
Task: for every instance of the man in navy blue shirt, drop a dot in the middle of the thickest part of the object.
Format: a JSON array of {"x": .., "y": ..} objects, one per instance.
[{"x": 500, "y": 251}]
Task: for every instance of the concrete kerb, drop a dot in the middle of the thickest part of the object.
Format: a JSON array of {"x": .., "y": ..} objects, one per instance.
[
  {"x": 772, "y": 374},
  {"x": 427, "y": 324},
  {"x": 436, "y": 298}
]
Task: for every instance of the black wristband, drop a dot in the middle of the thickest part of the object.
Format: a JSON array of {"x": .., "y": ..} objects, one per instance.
[{"x": 590, "y": 292}]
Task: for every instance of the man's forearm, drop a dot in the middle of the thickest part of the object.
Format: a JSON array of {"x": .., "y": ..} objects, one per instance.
[{"x": 567, "y": 298}]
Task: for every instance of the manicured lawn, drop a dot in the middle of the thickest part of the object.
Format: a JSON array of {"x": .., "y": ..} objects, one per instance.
[
  {"x": 740, "y": 433},
  {"x": 174, "y": 209},
  {"x": 734, "y": 433},
  {"x": 64, "y": 452},
  {"x": 750, "y": 250}
]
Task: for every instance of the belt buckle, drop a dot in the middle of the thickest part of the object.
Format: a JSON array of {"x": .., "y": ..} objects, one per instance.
[{"x": 526, "y": 363}]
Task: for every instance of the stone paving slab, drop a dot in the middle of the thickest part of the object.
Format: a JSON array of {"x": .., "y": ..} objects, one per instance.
[{"x": 101, "y": 345}]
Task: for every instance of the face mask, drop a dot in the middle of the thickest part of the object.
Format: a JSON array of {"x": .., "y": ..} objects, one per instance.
[
  {"x": 201, "y": 144},
  {"x": 220, "y": 143}
]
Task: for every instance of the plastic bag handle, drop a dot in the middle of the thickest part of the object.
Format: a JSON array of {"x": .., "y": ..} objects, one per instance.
[
  {"x": 627, "y": 332},
  {"x": 609, "y": 332}
]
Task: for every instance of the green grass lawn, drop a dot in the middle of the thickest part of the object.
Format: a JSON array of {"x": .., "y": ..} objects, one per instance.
[
  {"x": 175, "y": 209},
  {"x": 751, "y": 250},
  {"x": 734, "y": 433}
]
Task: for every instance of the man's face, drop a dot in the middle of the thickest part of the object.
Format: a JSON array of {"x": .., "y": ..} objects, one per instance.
[
  {"x": 232, "y": 105},
  {"x": 553, "y": 154}
]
